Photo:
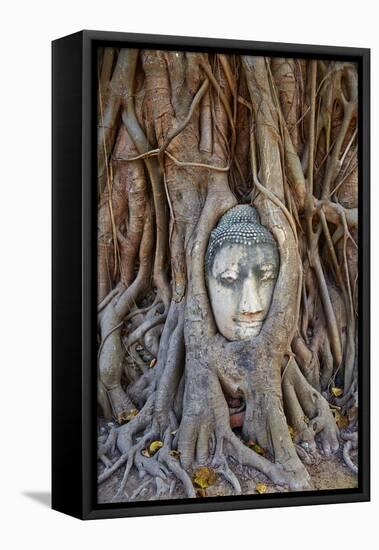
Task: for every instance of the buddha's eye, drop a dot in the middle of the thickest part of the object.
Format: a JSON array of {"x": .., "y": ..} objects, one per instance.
[
  {"x": 268, "y": 273},
  {"x": 229, "y": 277}
]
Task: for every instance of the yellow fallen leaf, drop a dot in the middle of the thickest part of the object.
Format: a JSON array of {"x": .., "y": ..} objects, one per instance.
[
  {"x": 336, "y": 392},
  {"x": 261, "y": 488},
  {"x": 175, "y": 454},
  {"x": 126, "y": 416},
  {"x": 203, "y": 477},
  {"x": 131, "y": 414},
  {"x": 154, "y": 447},
  {"x": 341, "y": 420},
  {"x": 255, "y": 447},
  {"x": 153, "y": 362},
  {"x": 258, "y": 449},
  {"x": 292, "y": 432}
]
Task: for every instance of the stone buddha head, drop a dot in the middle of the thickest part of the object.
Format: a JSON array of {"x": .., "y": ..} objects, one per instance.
[{"x": 241, "y": 266}]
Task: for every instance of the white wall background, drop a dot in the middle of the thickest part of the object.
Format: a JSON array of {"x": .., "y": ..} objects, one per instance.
[{"x": 27, "y": 29}]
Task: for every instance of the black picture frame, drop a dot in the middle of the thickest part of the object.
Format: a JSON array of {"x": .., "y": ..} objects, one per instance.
[{"x": 74, "y": 276}]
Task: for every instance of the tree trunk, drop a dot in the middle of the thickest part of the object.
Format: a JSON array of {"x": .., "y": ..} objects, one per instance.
[{"x": 184, "y": 137}]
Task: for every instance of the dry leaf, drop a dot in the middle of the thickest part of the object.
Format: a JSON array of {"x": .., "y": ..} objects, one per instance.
[
  {"x": 258, "y": 449},
  {"x": 261, "y": 488},
  {"x": 131, "y": 414},
  {"x": 306, "y": 420},
  {"x": 126, "y": 416},
  {"x": 203, "y": 477},
  {"x": 292, "y": 432},
  {"x": 343, "y": 423},
  {"x": 153, "y": 362},
  {"x": 336, "y": 392},
  {"x": 341, "y": 420},
  {"x": 201, "y": 493},
  {"x": 255, "y": 447},
  {"x": 175, "y": 454},
  {"x": 154, "y": 447}
]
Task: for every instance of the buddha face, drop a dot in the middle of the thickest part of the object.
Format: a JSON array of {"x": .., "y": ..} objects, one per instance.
[{"x": 241, "y": 282}]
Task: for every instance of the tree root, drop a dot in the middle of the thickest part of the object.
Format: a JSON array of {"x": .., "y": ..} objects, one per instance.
[
  {"x": 351, "y": 443},
  {"x": 194, "y": 443},
  {"x": 176, "y": 105},
  {"x": 308, "y": 413},
  {"x": 205, "y": 437}
]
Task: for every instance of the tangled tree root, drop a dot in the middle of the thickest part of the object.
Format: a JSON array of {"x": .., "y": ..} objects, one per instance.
[
  {"x": 211, "y": 441},
  {"x": 351, "y": 443},
  {"x": 191, "y": 444},
  {"x": 309, "y": 414},
  {"x": 183, "y": 137}
]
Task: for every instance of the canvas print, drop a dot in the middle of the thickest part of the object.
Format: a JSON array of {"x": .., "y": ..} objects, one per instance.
[{"x": 227, "y": 254}]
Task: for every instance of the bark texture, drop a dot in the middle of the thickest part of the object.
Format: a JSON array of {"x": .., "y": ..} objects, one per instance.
[{"x": 182, "y": 138}]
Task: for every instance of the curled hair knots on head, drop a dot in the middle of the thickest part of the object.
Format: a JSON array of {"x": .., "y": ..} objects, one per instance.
[{"x": 239, "y": 225}]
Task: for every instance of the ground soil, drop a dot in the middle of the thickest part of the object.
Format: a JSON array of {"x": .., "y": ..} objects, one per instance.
[{"x": 327, "y": 474}]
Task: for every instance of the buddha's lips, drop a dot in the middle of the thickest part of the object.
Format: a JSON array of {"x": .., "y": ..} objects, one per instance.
[{"x": 247, "y": 322}]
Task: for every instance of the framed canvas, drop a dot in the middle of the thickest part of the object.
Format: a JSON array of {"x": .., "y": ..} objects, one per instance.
[{"x": 210, "y": 275}]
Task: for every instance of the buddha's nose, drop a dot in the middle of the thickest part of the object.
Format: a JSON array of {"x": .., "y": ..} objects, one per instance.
[{"x": 250, "y": 304}]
